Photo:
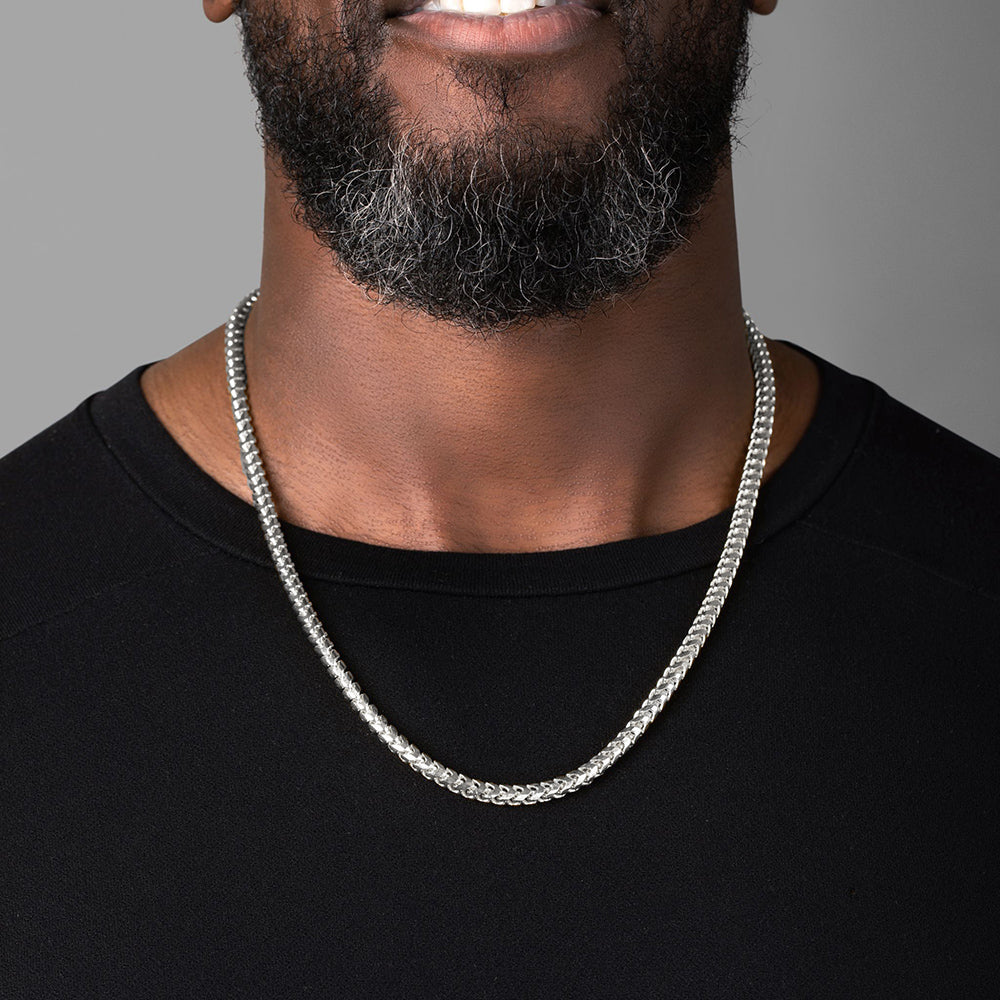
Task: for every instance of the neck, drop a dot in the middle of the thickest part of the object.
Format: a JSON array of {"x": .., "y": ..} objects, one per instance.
[{"x": 389, "y": 427}]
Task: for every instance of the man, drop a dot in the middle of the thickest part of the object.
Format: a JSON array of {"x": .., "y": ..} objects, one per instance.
[{"x": 503, "y": 389}]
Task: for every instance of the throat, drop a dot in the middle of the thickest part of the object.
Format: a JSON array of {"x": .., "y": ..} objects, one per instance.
[{"x": 542, "y": 443}]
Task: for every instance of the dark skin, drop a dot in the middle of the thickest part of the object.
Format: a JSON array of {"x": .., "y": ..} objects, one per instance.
[{"x": 389, "y": 427}]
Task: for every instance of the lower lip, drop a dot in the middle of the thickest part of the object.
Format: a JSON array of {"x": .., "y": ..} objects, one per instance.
[{"x": 532, "y": 32}]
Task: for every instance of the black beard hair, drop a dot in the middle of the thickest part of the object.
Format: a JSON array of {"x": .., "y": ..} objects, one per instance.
[{"x": 513, "y": 223}]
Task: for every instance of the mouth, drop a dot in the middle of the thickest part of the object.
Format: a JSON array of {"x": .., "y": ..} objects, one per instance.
[
  {"x": 484, "y": 8},
  {"x": 499, "y": 27}
]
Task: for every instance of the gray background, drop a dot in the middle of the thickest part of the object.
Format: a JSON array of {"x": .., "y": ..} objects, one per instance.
[{"x": 866, "y": 191}]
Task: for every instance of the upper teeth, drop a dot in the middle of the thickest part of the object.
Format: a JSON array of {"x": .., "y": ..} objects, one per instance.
[{"x": 487, "y": 8}]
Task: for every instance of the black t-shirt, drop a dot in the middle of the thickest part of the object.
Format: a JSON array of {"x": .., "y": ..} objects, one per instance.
[{"x": 190, "y": 808}]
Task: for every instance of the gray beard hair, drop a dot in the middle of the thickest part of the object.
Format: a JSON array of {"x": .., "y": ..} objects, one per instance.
[
  {"x": 493, "y": 230},
  {"x": 523, "y": 242}
]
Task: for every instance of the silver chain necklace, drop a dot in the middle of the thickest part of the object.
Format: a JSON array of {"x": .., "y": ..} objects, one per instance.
[{"x": 460, "y": 784}]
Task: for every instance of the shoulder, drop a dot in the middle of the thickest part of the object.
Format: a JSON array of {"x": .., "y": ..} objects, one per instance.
[
  {"x": 917, "y": 493},
  {"x": 75, "y": 524}
]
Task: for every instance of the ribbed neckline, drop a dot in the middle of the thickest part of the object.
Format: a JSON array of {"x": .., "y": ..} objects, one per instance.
[{"x": 180, "y": 488}]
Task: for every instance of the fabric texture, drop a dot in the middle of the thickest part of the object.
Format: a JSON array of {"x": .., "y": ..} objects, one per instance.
[{"x": 191, "y": 808}]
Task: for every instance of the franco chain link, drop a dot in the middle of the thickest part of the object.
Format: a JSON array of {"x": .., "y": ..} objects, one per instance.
[{"x": 471, "y": 788}]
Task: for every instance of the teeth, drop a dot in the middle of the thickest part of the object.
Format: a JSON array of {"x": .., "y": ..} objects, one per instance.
[{"x": 486, "y": 8}]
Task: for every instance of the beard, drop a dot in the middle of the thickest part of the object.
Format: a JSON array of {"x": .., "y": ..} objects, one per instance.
[{"x": 510, "y": 221}]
